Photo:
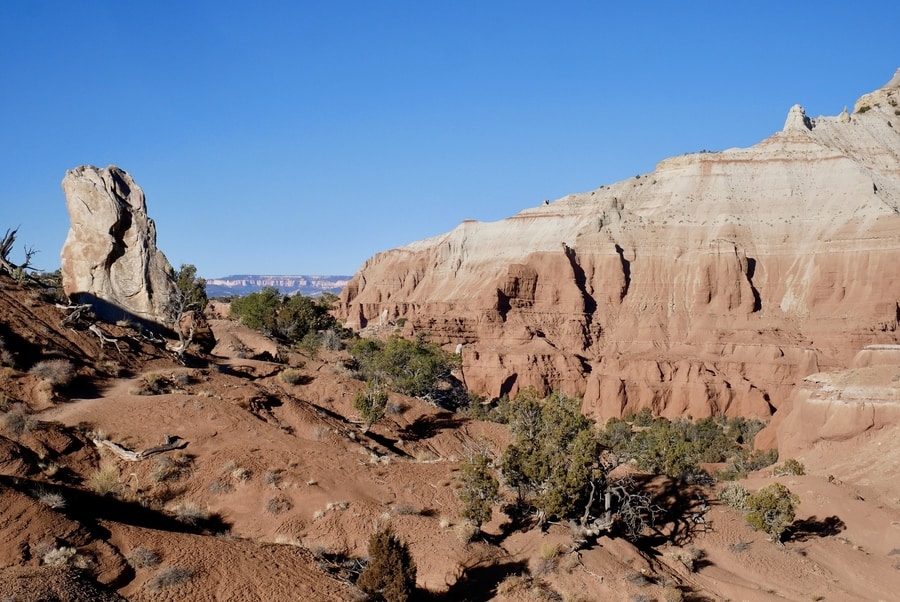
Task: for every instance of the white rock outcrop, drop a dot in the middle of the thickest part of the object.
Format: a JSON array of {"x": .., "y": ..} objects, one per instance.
[{"x": 110, "y": 258}]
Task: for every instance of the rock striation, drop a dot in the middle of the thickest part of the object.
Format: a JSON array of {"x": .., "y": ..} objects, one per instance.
[
  {"x": 846, "y": 422},
  {"x": 110, "y": 258},
  {"x": 713, "y": 285}
]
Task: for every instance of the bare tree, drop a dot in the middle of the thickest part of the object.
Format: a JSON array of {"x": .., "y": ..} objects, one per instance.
[{"x": 6, "y": 245}]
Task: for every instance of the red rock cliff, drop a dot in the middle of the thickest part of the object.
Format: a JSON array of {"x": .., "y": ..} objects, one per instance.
[{"x": 712, "y": 285}]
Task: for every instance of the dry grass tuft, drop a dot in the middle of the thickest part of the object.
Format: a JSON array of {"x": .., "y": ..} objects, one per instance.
[
  {"x": 58, "y": 372},
  {"x": 143, "y": 558},
  {"x": 279, "y": 504},
  {"x": 51, "y": 499},
  {"x": 190, "y": 513},
  {"x": 291, "y": 376},
  {"x": 466, "y": 531},
  {"x": 169, "y": 577},
  {"x": 18, "y": 421},
  {"x": 172, "y": 468},
  {"x": 104, "y": 480}
]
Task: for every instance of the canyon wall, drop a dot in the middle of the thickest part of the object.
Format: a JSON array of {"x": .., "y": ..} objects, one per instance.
[{"x": 712, "y": 285}]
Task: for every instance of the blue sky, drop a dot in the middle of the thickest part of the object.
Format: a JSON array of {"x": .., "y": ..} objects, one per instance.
[{"x": 304, "y": 137}]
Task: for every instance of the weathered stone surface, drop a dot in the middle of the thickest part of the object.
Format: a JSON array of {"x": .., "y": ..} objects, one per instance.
[
  {"x": 712, "y": 285},
  {"x": 110, "y": 257},
  {"x": 841, "y": 407}
]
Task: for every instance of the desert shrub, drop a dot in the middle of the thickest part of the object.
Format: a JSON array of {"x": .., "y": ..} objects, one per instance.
[
  {"x": 643, "y": 418},
  {"x": 258, "y": 310},
  {"x": 734, "y": 495},
  {"x": 791, "y": 467},
  {"x": 172, "y": 468},
  {"x": 169, "y": 577},
  {"x": 405, "y": 510},
  {"x": 549, "y": 558},
  {"x": 143, "y": 558},
  {"x": 51, "y": 499},
  {"x": 331, "y": 339},
  {"x": 289, "y": 318},
  {"x": 310, "y": 344},
  {"x": 478, "y": 408},
  {"x": 552, "y": 462},
  {"x": 371, "y": 403},
  {"x": 181, "y": 379},
  {"x": 191, "y": 514},
  {"x": 272, "y": 477},
  {"x": 772, "y": 509},
  {"x": 152, "y": 384},
  {"x": 104, "y": 480},
  {"x": 279, "y": 504},
  {"x": 391, "y": 573},
  {"x": 396, "y": 408},
  {"x": 745, "y": 461},
  {"x": 18, "y": 421},
  {"x": 291, "y": 376},
  {"x": 466, "y": 531},
  {"x": 678, "y": 447},
  {"x": 671, "y": 593},
  {"x": 191, "y": 289},
  {"x": 58, "y": 372},
  {"x": 220, "y": 486},
  {"x": 478, "y": 489},
  {"x": 7, "y": 359},
  {"x": 414, "y": 368}
]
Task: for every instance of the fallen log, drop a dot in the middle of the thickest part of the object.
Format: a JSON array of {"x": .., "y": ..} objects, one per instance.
[{"x": 172, "y": 442}]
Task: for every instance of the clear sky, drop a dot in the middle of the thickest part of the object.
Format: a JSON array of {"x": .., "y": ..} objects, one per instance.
[{"x": 304, "y": 137}]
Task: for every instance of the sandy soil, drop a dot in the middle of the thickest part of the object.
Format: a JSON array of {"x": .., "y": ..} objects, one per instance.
[{"x": 276, "y": 480}]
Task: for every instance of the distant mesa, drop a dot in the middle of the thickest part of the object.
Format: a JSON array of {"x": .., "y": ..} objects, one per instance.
[
  {"x": 110, "y": 258},
  {"x": 244, "y": 284}
]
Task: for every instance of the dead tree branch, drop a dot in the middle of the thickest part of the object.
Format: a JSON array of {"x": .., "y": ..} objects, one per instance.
[
  {"x": 105, "y": 339},
  {"x": 172, "y": 442},
  {"x": 6, "y": 245},
  {"x": 77, "y": 311}
]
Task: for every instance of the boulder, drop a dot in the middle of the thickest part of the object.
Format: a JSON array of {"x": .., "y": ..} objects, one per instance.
[{"x": 110, "y": 259}]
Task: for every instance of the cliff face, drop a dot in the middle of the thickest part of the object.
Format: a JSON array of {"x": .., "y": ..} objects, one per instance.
[{"x": 712, "y": 285}]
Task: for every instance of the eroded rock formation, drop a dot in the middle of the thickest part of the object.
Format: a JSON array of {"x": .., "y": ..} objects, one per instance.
[
  {"x": 846, "y": 422},
  {"x": 712, "y": 285},
  {"x": 110, "y": 259}
]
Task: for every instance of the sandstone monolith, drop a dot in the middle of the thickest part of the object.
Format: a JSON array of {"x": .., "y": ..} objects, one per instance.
[{"x": 110, "y": 258}]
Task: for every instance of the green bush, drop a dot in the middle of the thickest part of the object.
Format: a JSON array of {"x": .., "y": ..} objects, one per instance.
[
  {"x": 772, "y": 509},
  {"x": 391, "y": 574},
  {"x": 554, "y": 458},
  {"x": 414, "y": 368},
  {"x": 678, "y": 447},
  {"x": 478, "y": 491},
  {"x": 258, "y": 310},
  {"x": 371, "y": 403},
  {"x": 191, "y": 289},
  {"x": 290, "y": 318},
  {"x": 744, "y": 461},
  {"x": 791, "y": 467}
]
